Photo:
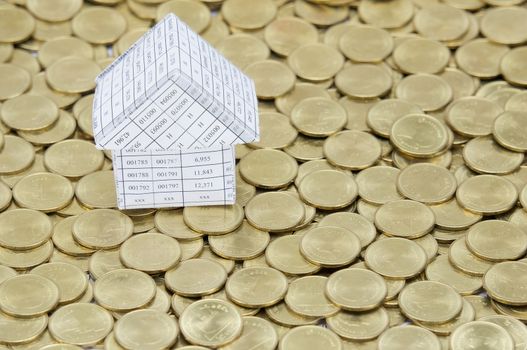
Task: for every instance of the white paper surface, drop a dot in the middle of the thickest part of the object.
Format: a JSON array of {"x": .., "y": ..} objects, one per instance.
[{"x": 148, "y": 179}]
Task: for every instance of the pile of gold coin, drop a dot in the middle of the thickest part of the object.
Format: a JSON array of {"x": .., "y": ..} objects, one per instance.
[{"x": 384, "y": 207}]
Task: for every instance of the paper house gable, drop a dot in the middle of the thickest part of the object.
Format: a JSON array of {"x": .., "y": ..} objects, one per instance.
[{"x": 170, "y": 95}]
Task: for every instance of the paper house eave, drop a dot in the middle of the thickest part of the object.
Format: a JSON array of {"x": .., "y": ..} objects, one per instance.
[{"x": 163, "y": 67}]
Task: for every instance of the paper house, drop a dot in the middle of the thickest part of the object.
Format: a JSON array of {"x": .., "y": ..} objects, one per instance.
[{"x": 171, "y": 109}]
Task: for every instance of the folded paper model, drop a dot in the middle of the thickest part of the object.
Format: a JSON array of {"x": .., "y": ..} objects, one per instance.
[{"x": 171, "y": 109}]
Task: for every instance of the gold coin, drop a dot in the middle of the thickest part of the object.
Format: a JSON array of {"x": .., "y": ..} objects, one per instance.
[
  {"x": 305, "y": 149},
  {"x": 350, "y": 149},
  {"x": 487, "y": 194},
  {"x": 505, "y": 25},
  {"x": 284, "y": 35},
  {"x": 269, "y": 169},
  {"x": 421, "y": 55},
  {"x": 72, "y": 74},
  {"x": 330, "y": 246},
  {"x": 16, "y": 155},
  {"x": 306, "y": 297},
  {"x": 481, "y": 58},
  {"x": 28, "y": 295},
  {"x": 43, "y": 191},
  {"x": 514, "y": 327},
  {"x": 210, "y": 322},
  {"x": 441, "y": 22},
  {"x": 462, "y": 84},
  {"x": 171, "y": 223},
  {"x": 307, "y": 168},
  {"x": 92, "y": 324},
  {"x": 318, "y": 117},
  {"x": 430, "y": 92},
  {"x": 507, "y": 130},
  {"x": 271, "y": 78},
  {"x": 363, "y": 81},
  {"x": 124, "y": 289},
  {"x": 441, "y": 270},
  {"x": 463, "y": 259},
  {"x": 504, "y": 282},
  {"x": 404, "y": 218},
  {"x": 276, "y": 131},
  {"x": 25, "y": 259},
  {"x": 419, "y": 135},
  {"x": 355, "y": 289},
  {"x": 150, "y": 252},
  {"x": 359, "y": 326},
  {"x": 274, "y": 211},
  {"x": 128, "y": 39},
  {"x": 246, "y": 14},
  {"x": 481, "y": 305},
  {"x": 353, "y": 222},
  {"x": 208, "y": 254},
  {"x": 146, "y": 328},
  {"x": 6, "y": 273},
  {"x": 382, "y": 115},
  {"x": 283, "y": 254},
  {"x": 62, "y": 129},
  {"x": 5, "y": 196},
  {"x": 102, "y": 229},
  {"x": 60, "y": 47},
  {"x": 18, "y": 330},
  {"x": 41, "y": 87},
  {"x": 301, "y": 91},
  {"x": 97, "y": 190},
  {"x": 246, "y": 242},
  {"x": 305, "y": 61},
  {"x": 518, "y": 312},
  {"x": 481, "y": 335},
  {"x": 71, "y": 280},
  {"x": 29, "y": 112},
  {"x": 98, "y": 25},
  {"x": 442, "y": 302},
  {"x": 6, "y": 52},
  {"x": 414, "y": 183},
  {"x": 377, "y": 184},
  {"x": 282, "y": 315},
  {"x": 256, "y": 287},
  {"x": 366, "y": 44},
  {"x": 496, "y": 240},
  {"x": 103, "y": 261},
  {"x": 179, "y": 304},
  {"x": 310, "y": 337},
  {"x": 191, "y": 249},
  {"x": 22, "y": 229},
  {"x": 243, "y": 49},
  {"x": 444, "y": 329},
  {"x": 511, "y": 66},
  {"x": 16, "y": 24},
  {"x": 54, "y": 11},
  {"x": 195, "y": 14},
  {"x": 408, "y": 336},
  {"x": 472, "y": 116},
  {"x": 328, "y": 189},
  {"x": 396, "y": 258},
  {"x": 61, "y": 347},
  {"x": 213, "y": 220},
  {"x": 483, "y": 155},
  {"x": 73, "y": 158},
  {"x": 196, "y": 277},
  {"x": 256, "y": 332}
]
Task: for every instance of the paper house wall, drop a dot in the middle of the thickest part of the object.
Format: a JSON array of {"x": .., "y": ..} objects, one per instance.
[{"x": 168, "y": 100}]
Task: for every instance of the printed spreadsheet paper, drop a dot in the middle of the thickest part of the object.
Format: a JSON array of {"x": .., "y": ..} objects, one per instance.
[
  {"x": 171, "y": 109},
  {"x": 157, "y": 179}
]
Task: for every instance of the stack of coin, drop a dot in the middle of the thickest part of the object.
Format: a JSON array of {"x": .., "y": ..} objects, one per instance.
[{"x": 389, "y": 185}]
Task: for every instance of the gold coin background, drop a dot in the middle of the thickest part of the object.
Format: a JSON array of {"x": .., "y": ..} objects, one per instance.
[{"x": 371, "y": 67}]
